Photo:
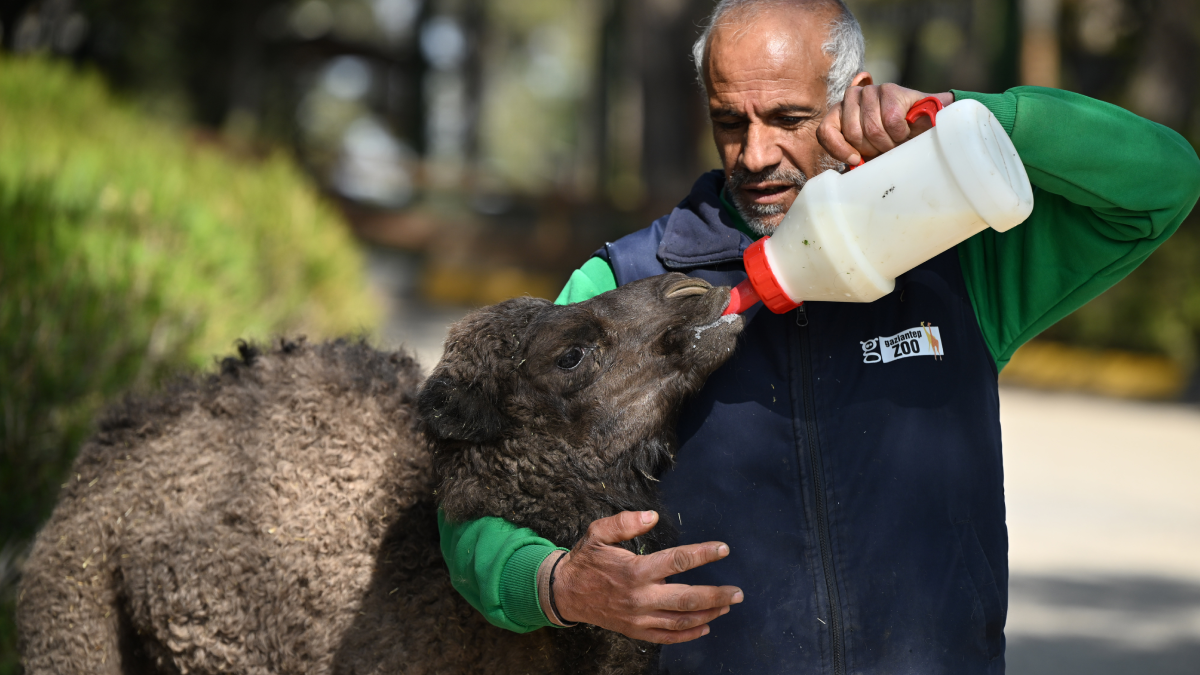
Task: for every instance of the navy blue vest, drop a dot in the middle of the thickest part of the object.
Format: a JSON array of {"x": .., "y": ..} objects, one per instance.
[{"x": 849, "y": 454}]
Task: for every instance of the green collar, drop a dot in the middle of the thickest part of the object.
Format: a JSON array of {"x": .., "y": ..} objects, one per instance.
[{"x": 738, "y": 221}]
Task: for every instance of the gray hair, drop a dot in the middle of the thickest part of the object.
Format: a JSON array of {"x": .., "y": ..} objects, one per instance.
[{"x": 844, "y": 43}]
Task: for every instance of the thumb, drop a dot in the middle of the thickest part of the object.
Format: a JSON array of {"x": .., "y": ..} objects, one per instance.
[{"x": 622, "y": 527}]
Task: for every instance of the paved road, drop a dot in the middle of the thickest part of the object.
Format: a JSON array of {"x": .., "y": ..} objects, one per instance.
[
  {"x": 1104, "y": 535},
  {"x": 1103, "y": 517}
]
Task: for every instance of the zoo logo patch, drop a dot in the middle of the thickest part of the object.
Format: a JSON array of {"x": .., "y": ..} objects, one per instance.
[{"x": 923, "y": 340}]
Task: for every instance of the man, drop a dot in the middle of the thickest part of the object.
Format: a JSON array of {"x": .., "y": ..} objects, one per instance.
[{"x": 862, "y": 500}]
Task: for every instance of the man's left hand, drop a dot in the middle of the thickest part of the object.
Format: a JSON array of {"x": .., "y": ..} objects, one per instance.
[{"x": 870, "y": 121}]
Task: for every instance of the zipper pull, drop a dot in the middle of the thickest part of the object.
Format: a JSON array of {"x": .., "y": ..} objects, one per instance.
[{"x": 801, "y": 316}]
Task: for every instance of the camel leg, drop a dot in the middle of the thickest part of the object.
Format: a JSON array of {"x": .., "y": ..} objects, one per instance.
[{"x": 67, "y": 610}]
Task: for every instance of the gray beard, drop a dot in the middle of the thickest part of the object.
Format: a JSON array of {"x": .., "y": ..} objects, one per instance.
[{"x": 755, "y": 214}]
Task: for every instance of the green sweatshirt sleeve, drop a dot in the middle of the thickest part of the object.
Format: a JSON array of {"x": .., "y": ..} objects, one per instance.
[
  {"x": 493, "y": 564},
  {"x": 595, "y": 277},
  {"x": 1109, "y": 187}
]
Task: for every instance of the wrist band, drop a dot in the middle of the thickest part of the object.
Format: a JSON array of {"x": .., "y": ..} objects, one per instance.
[{"x": 554, "y": 607}]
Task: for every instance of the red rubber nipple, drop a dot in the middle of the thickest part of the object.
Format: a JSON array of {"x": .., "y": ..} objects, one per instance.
[{"x": 741, "y": 298}]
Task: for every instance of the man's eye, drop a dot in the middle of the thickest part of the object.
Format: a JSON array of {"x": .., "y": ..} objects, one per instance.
[
  {"x": 729, "y": 126},
  {"x": 570, "y": 358}
]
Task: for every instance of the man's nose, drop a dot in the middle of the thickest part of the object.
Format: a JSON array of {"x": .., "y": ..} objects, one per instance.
[{"x": 762, "y": 149}]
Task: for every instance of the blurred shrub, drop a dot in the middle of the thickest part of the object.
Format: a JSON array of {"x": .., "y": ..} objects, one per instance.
[
  {"x": 1043, "y": 364},
  {"x": 126, "y": 253}
]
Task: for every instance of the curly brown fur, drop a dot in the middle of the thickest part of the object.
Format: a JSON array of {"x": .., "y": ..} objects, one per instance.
[
  {"x": 550, "y": 448},
  {"x": 554, "y": 449},
  {"x": 279, "y": 516},
  {"x": 258, "y": 520}
]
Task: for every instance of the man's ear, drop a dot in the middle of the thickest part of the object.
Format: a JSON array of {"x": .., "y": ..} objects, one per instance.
[
  {"x": 862, "y": 79},
  {"x": 460, "y": 411}
]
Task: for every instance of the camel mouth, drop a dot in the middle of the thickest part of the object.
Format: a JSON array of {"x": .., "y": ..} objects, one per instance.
[
  {"x": 713, "y": 318},
  {"x": 688, "y": 287}
]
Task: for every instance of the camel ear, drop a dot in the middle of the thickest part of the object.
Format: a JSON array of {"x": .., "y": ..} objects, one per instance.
[{"x": 460, "y": 411}]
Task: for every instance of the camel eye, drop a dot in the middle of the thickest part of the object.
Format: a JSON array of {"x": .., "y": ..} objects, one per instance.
[{"x": 570, "y": 358}]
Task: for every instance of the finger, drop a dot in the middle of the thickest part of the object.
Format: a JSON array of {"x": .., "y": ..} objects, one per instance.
[
  {"x": 895, "y": 102},
  {"x": 672, "y": 637},
  {"x": 685, "y": 598},
  {"x": 680, "y": 559},
  {"x": 622, "y": 527},
  {"x": 872, "y": 121},
  {"x": 852, "y": 121},
  {"x": 677, "y": 621},
  {"x": 829, "y": 134}
]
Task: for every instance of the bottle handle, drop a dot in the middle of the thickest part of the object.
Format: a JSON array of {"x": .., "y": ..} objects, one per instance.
[{"x": 928, "y": 106}]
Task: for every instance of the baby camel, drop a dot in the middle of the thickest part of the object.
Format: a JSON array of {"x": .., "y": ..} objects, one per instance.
[{"x": 280, "y": 516}]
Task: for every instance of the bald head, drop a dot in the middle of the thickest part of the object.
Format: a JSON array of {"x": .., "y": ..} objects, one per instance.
[
  {"x": 779, "y": 49},
  {"x": 838, "y": 35}
]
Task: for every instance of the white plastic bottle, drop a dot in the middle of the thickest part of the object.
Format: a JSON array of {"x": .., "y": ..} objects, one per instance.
[{"x": 847, "y": 236}]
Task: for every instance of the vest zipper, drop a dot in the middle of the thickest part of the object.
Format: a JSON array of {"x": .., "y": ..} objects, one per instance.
[{"x": 818, "y": 487}]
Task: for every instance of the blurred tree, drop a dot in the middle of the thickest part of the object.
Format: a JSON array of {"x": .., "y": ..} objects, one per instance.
[
  {"x": 1164, "y": 82},
  {"x": 261, "y": 69},
  {"x": 1143, "y": 55},
  {"x": 969, "y": 44},
  {"x": 676, "y": 117},
  {"x": 575, "y": 106}
]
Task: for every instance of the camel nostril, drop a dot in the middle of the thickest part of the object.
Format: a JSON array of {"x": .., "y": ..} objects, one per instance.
[{"x": 688, "y": 287}]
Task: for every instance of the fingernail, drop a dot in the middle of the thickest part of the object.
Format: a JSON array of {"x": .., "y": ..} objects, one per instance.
[
  {"x": 724, "y": 610},
  {"x": 704, "y": 631},
  {"x": 722, "y": 550},
  {"x": 738, "y": 597},
  {"x": 647, "y": 517}
]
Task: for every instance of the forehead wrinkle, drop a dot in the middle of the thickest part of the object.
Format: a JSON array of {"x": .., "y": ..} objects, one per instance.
[
  {"x": 787, "y": 77},
  {"x": 768, "y": 75},
  {"x": 767, "y": 90},
  {"x": 785, "y": 80}
]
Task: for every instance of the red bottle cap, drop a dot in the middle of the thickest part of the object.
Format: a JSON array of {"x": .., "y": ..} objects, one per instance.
[{"x": 758, "y": 269}]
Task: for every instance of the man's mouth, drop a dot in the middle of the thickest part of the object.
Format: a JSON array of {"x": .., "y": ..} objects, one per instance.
[
  {"x": 766, "y": 193},
  {"x": 762, "y": 197}
]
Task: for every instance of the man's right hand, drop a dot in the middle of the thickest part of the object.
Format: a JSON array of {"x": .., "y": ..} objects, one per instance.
[
  {"x": 870, "y": 120},
  {"x": 605, "y": 585}
]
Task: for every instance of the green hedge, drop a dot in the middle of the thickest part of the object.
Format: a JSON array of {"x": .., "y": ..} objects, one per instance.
[{"x": 127, "y": 252}]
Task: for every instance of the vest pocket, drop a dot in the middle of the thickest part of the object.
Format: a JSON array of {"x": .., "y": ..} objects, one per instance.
[{"x": 986, "y": 590}]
